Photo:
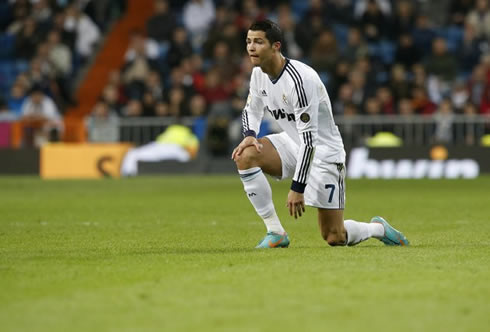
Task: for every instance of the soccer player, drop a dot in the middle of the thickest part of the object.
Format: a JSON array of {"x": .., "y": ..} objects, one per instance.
[{"x": 309, "y": 150}]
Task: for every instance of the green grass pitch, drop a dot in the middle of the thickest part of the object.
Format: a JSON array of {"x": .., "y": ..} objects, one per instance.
[{"x": 177, "y": 254}]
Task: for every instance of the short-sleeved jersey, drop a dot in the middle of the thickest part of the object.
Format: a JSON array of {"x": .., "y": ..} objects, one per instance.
[{"x": 299, "y": 102}]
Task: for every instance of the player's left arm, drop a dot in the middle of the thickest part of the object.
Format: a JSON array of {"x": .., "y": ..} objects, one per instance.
[{"x": 306, "y": 117}]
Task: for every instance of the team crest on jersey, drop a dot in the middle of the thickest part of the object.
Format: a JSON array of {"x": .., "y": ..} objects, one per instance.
[
  {"x": 284, "y": 99},
  {"x": 305, "y": 117}
]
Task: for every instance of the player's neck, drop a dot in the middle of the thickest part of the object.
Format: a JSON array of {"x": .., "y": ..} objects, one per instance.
[{"x": 274, "y": 67}]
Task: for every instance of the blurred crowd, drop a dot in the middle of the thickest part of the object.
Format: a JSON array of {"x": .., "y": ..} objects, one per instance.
[
  {"x": 43, "y": 46},
  {"x": 376, "y": 57}
]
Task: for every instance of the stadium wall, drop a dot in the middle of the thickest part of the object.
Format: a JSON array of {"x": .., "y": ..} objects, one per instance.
[{"x": 103, "y": 160}]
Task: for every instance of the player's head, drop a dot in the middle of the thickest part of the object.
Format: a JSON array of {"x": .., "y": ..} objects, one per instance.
[{"x": 264, "y": 40}]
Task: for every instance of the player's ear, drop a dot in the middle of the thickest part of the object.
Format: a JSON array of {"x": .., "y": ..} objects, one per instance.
[{"x": 277, "y": 46}]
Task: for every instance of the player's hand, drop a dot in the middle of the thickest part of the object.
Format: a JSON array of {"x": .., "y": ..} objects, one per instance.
[
  {"x": 246, "y": 142},
  {"x": 296, "y": 204}
]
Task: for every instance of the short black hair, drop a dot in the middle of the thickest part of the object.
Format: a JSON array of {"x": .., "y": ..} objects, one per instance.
[{"x": 273, "y": 32}]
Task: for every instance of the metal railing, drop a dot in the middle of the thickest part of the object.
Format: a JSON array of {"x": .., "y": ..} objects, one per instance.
[
  {"x": 413, "y": 130},
  {"x": 417, "y": 129}
]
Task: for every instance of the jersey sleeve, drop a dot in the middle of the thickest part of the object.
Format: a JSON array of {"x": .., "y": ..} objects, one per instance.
[
  {"x": 254, "y": 110},
  {"x": 306, "y": 103}
]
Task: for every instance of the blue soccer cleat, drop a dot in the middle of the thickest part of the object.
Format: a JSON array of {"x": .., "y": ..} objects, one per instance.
[
  {"x": 274, "y": 240},
  {"x": 392, "y": 237}
]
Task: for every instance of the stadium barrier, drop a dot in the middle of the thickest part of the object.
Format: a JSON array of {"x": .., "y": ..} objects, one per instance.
[
  {"x": 416, "y": 157},
  {"x": 84, "y": 161},
  {"x": 416, "y": 130},
  {"x": 19, "y": 161}
]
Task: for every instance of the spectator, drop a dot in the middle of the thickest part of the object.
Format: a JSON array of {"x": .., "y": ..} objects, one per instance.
[
  {"x": 111, "y": 96},
  {"x": 477, "y": 84},
  {"x": 198, "y": 110},
  {"x": 324, "y": 53},
  {"x": 292, "y": 33},
  {"x": 177, "y": 105},
  {"x": 154, "y": 86},
  {"x": 405, "y": 107},
  {"x": 423, "y": 34},
  {"x": 356, "y": 47},
  {"x": 404, "y": 19},
  {"x": 59, "y": 54},
  {"x": 344, "y": 98},
  {"x": 339, "y": 77},
  {"x": 20, "y": 12},
  {"x": 182, "y": 80},
  {"x": 87, "y": 33},
  {"x": 198, "y": 16},
  {"x": 362, "y": 6},
  {"x": 162, "y": 109},
  {"x": 313, "y": 22},
  {"x": 68, "y": 36},
  {"x": 223, "y": 61},
  {"x": 471, "y": 49},
  {"x": 42, "y": 117},
  {"x": 357, "y": 80},
  {"x": 138, "y": 66},
  {"x": 161, "y": 25},
  {"x": 407, "y": 53},
  {"x": 214, "y": 89},
  {"x": 227, "y": 33},
  {"x": 421, "y": 102},
  {"x": 399, "y": 84},
  {"x": 142, "y": 46},
  {"x": 386, "y": 100},
  {"x": 134, "y": 108},
  {"x": 444, "y": 118},
  {"x": 148, "y": 102},
  {"x": 419, "y": 75},
  {"x": 103, "y": 124},
  {"x": 180, "y": 47},
  {"x": 250, "y": 11},
  {"x": 458, "y": 11},
  {"x": 441, "y": 63},
  {"x": 459, "y": 94},
  {"x": 479, "y": 18},
  {"x": 373, "y": 106},
  {"x": 374, "y": 21},
  {"x": 16, "y": 99},
  {"x": 41, "y": 12},
  {"x": 27, "y": 39}
]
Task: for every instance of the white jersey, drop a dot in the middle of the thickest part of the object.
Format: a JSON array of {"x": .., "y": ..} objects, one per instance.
[{"x": 299, "y": 102}]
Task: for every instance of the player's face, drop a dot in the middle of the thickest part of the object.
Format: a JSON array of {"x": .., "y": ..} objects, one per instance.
[{"x": 259, "y": 48}]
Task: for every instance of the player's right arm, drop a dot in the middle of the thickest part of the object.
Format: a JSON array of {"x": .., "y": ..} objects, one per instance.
[{"x": 251, "y": 118}]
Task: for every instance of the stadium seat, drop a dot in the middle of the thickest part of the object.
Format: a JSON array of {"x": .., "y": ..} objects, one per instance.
[{"x": 7, "y": 46}]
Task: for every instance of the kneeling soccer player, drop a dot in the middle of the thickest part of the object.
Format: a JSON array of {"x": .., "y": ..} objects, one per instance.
[{"x": 309, "y": 149}]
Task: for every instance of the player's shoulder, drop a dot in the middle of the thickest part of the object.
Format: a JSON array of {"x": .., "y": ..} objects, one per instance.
[
  {"x": 257, "y": 72},
  {"x": 301, "y": 69}
]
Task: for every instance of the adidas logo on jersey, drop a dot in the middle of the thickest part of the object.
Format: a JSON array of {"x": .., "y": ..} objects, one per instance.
[{"x": 264, "y": 93}]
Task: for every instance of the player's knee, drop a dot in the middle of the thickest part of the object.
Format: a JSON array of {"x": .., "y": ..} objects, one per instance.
[
  {"x": 248, "y": 158},
  {"x": 334, "y": 238}
]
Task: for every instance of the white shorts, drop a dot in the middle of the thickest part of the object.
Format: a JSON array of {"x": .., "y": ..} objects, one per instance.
[{"x": 326, "y": 183}]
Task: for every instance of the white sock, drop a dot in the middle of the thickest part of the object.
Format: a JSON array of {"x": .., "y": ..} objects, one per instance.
[
  {"x": 361, "y": 231},
  {"x": 259, "y": 193}
]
